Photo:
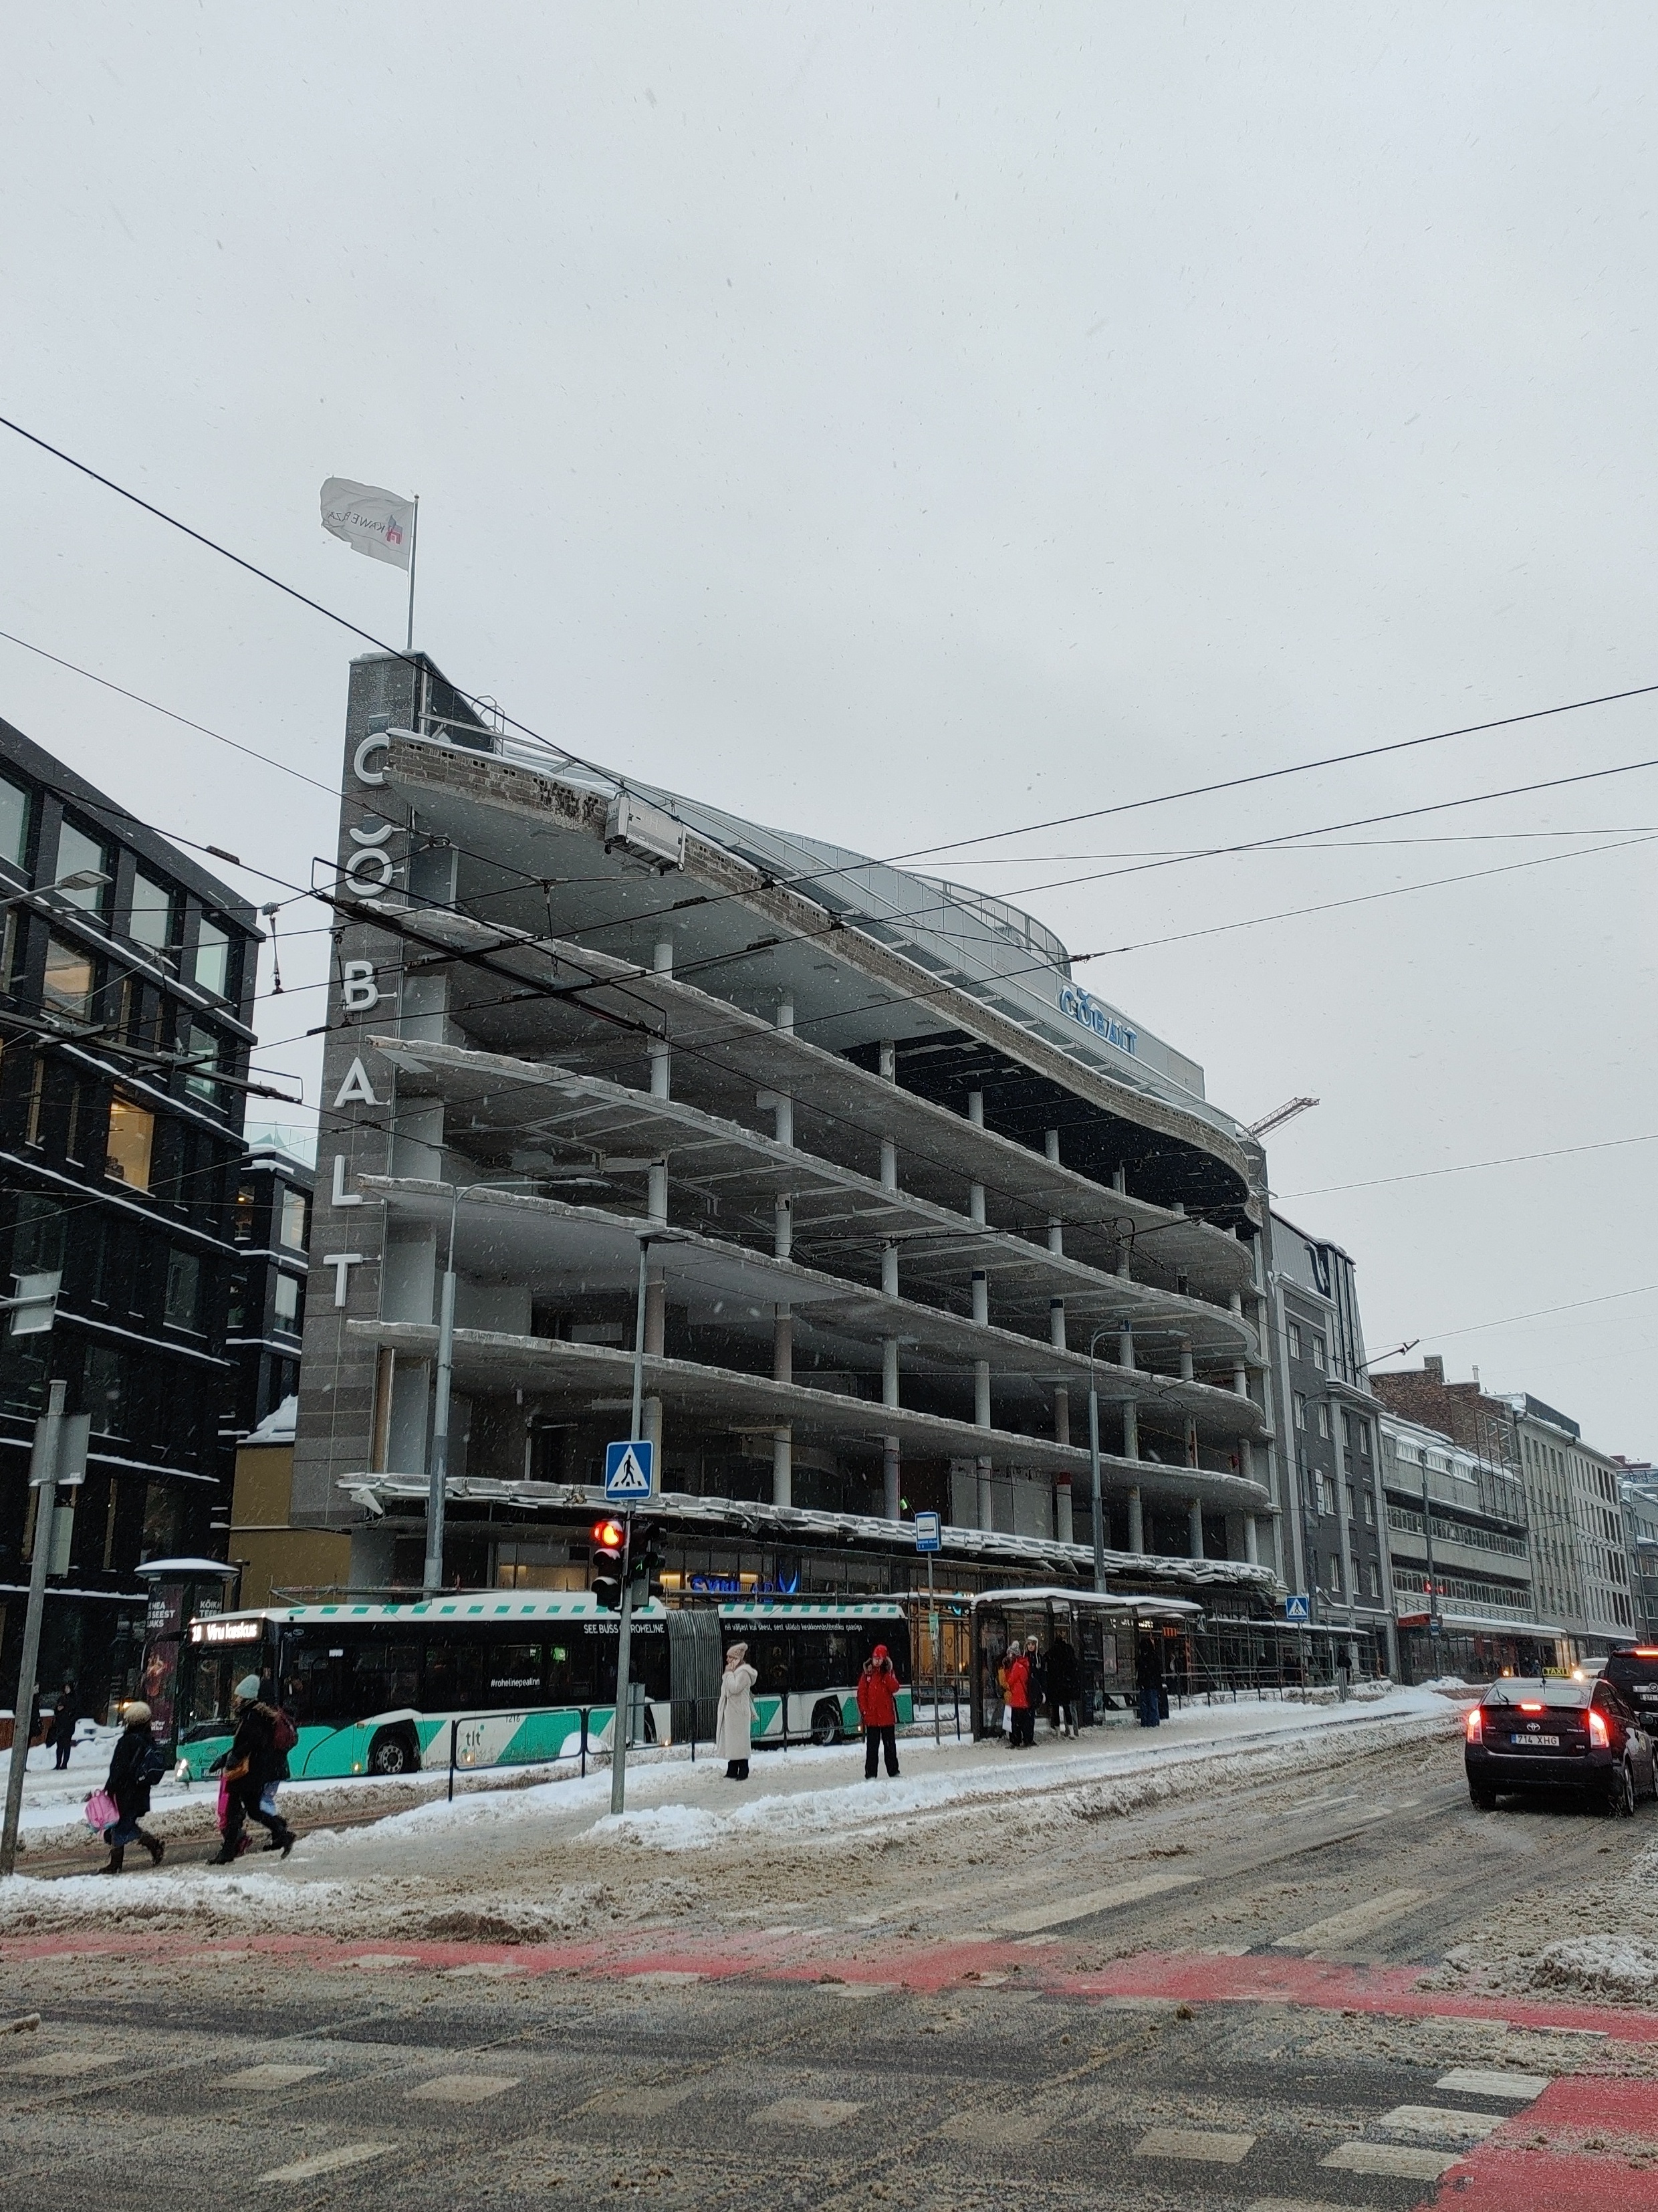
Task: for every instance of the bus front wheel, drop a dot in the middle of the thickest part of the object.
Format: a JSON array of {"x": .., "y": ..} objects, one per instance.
[
  {"x": 391, "y": 1752},
  {"x": 826, "y": 1722}
]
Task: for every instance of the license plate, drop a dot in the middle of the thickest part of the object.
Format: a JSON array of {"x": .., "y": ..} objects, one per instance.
[{"x": 1536, "y": 1742}]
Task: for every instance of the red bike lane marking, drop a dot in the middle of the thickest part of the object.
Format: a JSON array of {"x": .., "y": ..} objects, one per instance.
[{"x": 1191, "y": 1978}]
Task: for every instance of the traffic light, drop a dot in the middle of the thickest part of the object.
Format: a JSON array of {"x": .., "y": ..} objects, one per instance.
[
  {"x": 609, "y": 1540},
  {"x": 645, "y": 1567}
]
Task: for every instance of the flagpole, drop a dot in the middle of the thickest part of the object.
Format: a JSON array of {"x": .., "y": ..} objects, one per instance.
[{"x": 414, "y": 547}]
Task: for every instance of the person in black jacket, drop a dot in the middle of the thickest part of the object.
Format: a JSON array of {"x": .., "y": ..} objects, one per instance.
[
  {"x": 130, "y": 1773},
  {"x": 252, "y": 1764},
  {"x": 1062, "y": 1684},
  {"x": 61, "y": 1734}
]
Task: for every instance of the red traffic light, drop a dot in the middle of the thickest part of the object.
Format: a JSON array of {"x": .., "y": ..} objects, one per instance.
[{"x": 608, "y": 1535}]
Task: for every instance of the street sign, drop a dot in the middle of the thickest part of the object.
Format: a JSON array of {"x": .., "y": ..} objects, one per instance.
[
  {"x": 630, "y": 1472},
  {"x": 1296, "y": 1606},
  {"x": 927, "y": 1538}
]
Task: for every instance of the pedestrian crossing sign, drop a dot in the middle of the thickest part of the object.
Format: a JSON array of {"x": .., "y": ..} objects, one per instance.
[
  {"x": 630, "y": 1471},
  {"x": 1296, "y": 1606}
]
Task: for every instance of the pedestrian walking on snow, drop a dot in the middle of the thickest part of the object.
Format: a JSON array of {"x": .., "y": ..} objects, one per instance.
[
  {"x": 1062, "y": 1684},
  {"x": 1021, "y": 1719},
  {"x": 1036, "y": 1680},
  {"x": 256, "y": 1759},
  {"x": 1148, "y": 1668},
  {"x": 878, "y": 1708},
  {"x": 139, "y": 1762},
  {"x": 733, "y": 1732},
  {"x": 61, "y": 1734}
]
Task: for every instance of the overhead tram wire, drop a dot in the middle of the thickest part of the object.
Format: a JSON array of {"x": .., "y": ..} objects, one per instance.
[
  {"x": 1468, "y": 1167},
  {"x": 611, "y": 775}
]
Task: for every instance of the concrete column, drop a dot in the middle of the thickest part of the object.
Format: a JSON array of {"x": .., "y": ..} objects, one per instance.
[
  {"x": 889, "y": 1370},
  {"x": 1251, "y": 1541},
  {"x": 1235, "y": 1303},
  {"x": 1136, "y": 1520},
  {"x": 1055, "y": 1226},
  {"x": 1125, "y": 1347},
  {"x": 1186, "y": 1371},
  {"x": 986, "y": 1516},
  {"x": 1239, "y": 1378},
  {"x": 782, "y": 1466},
  {"x": 1194, "y": 1528},
  {"x": 888, "y": 1060},
  {"x": 981, "y": 1367},
  {"x": 1056, "y": 1323},
  {"x": 888, "y": 1165},
  {"x": 656, "y": 1191},
  {"x": 1123, "y": 1259},
  {"x": 1130, "y": 1430},
  {"x": 892, "y": 1487},
  {"x": 889, "y": 1271},
  {"x": 782, "y": 1345},
  {"x": 1064, "y": 1525},
  {"x": 1120, "y": 1182},
  {"x": 661, "y": 1051},
  {"x": 1191, "y": 1442},
  {"x": 975, "y": 1203},
  {"x": 1062, "y": 1416},
  {"x": 975, "y": 1108},
  {"x": 782, "y": 1228}
]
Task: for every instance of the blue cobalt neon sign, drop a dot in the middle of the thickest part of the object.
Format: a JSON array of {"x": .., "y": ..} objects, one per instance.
[{"x": 1081, "y": 1008}]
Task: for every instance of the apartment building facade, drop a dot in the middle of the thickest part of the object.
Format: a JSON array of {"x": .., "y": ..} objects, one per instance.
[
  {"x": 1460, "y": 1541},
  {"x": 127, "y": 977},
  {"x": 264, "y": 1324},
  {"x": 1333, "y": 1512},
  {"x": 1581, "y": 1572},
  {"x": 1637, "y": 1485}
]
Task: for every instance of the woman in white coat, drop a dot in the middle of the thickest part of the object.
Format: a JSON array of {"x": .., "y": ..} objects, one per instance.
[{"x": 734, "y": 1729}]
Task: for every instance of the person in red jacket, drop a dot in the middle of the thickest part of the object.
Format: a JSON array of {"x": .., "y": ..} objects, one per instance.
[
  {"x": 878, "y": 1708},
  {"x": 1022, "y": 1718}
]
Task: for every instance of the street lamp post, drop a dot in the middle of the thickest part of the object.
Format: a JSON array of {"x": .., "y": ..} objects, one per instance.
[{"x": 438, "y": 1472}]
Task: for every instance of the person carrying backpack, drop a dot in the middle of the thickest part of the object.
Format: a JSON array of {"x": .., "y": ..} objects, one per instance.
[
  {"x": 139, "y": 1762},
  {"x": 256, "y": 1759}
]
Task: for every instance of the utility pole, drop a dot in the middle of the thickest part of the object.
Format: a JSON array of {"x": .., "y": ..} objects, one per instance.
[
  {"x": 59, "y": 1456},
  {"x": 438, "y": 1478},
  {"x": 624, "y": 1634}
]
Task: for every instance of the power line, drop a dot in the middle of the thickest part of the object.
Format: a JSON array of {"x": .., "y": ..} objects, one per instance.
[
  {"x": 1469, "y": 1167},
  {"x": 1541, "y": 1313}
]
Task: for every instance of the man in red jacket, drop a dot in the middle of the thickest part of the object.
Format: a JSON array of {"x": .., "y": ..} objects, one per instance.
[{"x": 878, "y": 1708}]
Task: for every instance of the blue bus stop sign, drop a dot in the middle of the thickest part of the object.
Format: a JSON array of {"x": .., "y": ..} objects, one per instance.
[
  {"x": 927, "y": 1538},
  {"x": 1296, "y": 1606},
  {"x": 630, "y": 1472}
]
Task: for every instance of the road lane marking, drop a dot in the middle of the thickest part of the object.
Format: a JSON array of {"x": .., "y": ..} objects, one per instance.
[
  {"x": 807, "y": 2112},
  {"x": 1443, "y": 2120},
  {"x": 1397, "y": 2160},
  {"x": 63, "y": 2065},
  {"x": 1342, "y": 1928},
  {"x": 1038, "y": 1917},
  {"x": 273, "y": 2076},
  {"x": 329, "y": 2161},
  {"x": 1485, "y": 2082},
  {"x": 464, "y": 2088},
  {"x": 1195, "y": 2142}
]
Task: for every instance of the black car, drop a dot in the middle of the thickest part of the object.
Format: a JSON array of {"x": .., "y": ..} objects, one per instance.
[
  {"x": 1583, "y": 1735},
  {"x": 1634, "y": 1672}
]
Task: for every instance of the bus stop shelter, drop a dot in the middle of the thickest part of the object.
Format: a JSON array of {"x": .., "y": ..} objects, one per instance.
[{"x": 1101, "y": 1627}]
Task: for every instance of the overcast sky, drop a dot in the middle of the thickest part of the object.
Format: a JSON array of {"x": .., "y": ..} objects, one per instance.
[{"x": 900, "y": 423}]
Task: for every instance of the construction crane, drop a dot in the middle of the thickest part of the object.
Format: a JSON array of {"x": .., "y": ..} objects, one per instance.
[{"x": 1280, "y": 1114}]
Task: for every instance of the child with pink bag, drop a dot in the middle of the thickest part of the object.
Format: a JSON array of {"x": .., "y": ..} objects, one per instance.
[{"x": 116, "y": 1811}]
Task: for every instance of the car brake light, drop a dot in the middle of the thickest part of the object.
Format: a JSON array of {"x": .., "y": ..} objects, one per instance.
[
  {"x": 1646, "y": 1651},
  {"x": 1531, "y": 1709},
  {"x": 1476, "y": 1727},
  {"x": 1598, "y": 1733}
]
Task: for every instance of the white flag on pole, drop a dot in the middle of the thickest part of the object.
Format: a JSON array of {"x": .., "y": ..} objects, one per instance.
[{"x": 370, "y": 520}]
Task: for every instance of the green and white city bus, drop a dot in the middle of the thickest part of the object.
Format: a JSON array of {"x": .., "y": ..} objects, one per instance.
[{"x": 375, "y": 1689}]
